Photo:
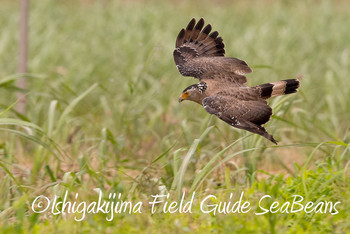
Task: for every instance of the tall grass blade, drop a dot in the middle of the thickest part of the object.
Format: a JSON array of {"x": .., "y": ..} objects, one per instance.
[
  {"x": 179, "y": 176},
  {"x": 71, "y": 106},
  {"x": 210, "y": 167}
]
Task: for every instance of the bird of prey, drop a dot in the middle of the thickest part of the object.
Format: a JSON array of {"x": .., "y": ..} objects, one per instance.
[{"x": 221, "y": 91}]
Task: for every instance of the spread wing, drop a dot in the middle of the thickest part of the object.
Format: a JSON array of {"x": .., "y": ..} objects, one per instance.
[
  {"x": 200, "y": 54},
  {"x": 248, "y": 113}
]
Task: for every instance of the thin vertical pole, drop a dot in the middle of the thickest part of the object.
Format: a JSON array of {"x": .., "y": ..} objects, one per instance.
[{"x": 23, "y": 55}]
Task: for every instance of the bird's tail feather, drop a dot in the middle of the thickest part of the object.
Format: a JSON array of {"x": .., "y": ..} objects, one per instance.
[{"x": 278, "y": 88}]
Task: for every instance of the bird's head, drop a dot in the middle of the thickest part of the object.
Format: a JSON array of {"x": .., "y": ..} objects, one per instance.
[{"x": 194, "y": 93}]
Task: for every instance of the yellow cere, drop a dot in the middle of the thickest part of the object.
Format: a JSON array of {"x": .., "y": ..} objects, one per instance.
[{"x": 184, "y": 95}]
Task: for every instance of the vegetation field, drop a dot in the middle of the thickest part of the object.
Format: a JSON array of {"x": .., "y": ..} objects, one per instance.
[{"x": 103, "y": 124}]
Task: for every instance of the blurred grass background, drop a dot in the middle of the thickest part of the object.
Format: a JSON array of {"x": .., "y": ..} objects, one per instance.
[{"x": 103, "y": 111}]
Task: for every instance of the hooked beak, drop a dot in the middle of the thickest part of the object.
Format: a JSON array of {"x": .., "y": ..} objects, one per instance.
[{"x": 180, "y": 99}]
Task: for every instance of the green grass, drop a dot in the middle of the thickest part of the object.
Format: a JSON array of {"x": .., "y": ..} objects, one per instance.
[{"x": 103, "y": 113}]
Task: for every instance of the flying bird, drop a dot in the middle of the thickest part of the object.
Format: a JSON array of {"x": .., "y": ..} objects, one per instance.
[{"x": 200, "y": 53}]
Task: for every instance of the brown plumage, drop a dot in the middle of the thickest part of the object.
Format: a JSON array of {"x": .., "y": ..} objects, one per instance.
[{"x": 221, "y": 90}]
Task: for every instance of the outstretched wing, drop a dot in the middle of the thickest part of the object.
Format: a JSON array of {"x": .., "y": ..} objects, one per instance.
[
  {"x": 248, "y": 114},
  {"x": 200, "y": 54}
]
